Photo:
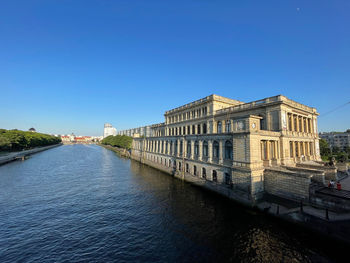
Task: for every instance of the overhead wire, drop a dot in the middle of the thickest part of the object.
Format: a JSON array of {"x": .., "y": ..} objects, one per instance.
[{"x": 337, "y": 108}]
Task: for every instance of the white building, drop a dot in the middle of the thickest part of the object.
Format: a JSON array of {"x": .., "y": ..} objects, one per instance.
[{"x": 109, "y": 130}]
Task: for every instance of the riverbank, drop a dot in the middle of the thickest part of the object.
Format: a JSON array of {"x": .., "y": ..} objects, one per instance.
[
  {"x": 120, "y": 151},
  {"x": 23, "y": 154},
  {"x": 329, "y": 222}
]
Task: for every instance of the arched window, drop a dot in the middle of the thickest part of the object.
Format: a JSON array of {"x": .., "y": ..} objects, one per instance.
[
  {"x": 215, "y": 149},
  {"x": 205, "y": 149},
  {"x": 228, "y": 150},
  {"x": 194, "y": 170},
  {"x": 227, "y": 178},
  {"x": 196, "y": 148},
  {"x": 204, "y": 173},
  {"x": 215, "y": 176},
  {"x": 228, "y": 126},
  {"x": 198, "y": 129},
  {"x": 219, "y": 127},
  {"x": 204, "y": 128},
  {"x": 188, "y": 148}
]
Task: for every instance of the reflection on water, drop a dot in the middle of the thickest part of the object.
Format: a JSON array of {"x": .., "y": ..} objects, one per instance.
[{"x": 84, "y": 203}]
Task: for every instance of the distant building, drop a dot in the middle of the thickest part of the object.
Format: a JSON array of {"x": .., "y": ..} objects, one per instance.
[
  {"x": 138, "y": 132},
  {"x": 109, "y": 130},
  {"x": 32, "y": 130},
  {"x": 337, "y": 139}
]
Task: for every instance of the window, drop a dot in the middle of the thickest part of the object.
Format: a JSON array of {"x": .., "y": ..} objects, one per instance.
[
  {"x": 228, "y": 126},
  {"x": 196, "y": 148},
  {"x": 228, "y": 150},
  {"x": 193, "y": 129},
  {"x": 215, "y": 149},
  {"x": 215, "y": 176},
  {"x": 187, "y": 168},
  {"x": 194, "y": 170},
  {"x": 205, "y": 149},
  {"x": 188, "y": 148},
  {"x": 198, "y": 129},
  {"x": 179, "y": 166},
  {"x": 227, "y": 179},
  {"x": 181, "y": 147},
  {"x": 204, "y": 128},
  {"x": 204, "y": 173},
  {"x": 219, "y": 128}
]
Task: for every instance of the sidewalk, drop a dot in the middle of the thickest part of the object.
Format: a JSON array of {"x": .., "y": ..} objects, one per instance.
[{"x": 16, "y": 155}]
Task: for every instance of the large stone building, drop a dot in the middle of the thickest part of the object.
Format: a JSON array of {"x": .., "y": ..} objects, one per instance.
[
  {"x": 337, "y": 139},
  {"x": 109, "y": 130},
  {"x": 141, "y": 131},
  {"x": 236, "y": 148}
]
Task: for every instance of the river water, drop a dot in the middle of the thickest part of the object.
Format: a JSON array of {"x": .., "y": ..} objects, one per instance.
[{"x": 83, "y": 203}]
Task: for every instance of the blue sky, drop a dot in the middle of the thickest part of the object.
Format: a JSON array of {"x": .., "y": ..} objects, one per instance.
[{"x": 71, "y": 66}]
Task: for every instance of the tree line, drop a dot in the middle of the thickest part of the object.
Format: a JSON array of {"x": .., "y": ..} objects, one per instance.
[
  {"x": 327, "y": 152},
  {"x": 16, "y": 140},
  {"x": 121, "y": 141}
]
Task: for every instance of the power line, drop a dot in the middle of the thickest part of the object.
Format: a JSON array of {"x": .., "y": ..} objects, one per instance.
[{"x": 337, "y": 108}]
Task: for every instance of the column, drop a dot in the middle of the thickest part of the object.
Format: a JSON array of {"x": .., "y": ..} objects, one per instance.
[
  {"x": 178, "y": 148},
  {"x": 221, "y": 149},
  {"x": 298, "y": 126},
  {"x": 223, "y": 126},
  {"x": 267, "y": 150},
  {"x": 307, "y": 125},
  {"x": 210, "y": 150},
  {"x": 302, "y": 124},
  {"x": 192, "y": 149},
  {"x": 184, "y": 150},
  {"x": 200, "y": 154},
  {"x": 292, "y": 122},
  {"x": 208, "y": 127}
]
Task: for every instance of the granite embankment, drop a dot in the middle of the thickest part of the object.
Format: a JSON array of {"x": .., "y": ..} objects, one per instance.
[
  {"x": 22, "y": 154},
  {"x": 121, "y": 151}
]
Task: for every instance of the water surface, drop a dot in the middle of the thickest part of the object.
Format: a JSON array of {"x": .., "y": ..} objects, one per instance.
[{"x": 83, "y": 203}]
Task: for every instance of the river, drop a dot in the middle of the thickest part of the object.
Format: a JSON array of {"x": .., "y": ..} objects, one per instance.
[{"x": 83, "y": 203}]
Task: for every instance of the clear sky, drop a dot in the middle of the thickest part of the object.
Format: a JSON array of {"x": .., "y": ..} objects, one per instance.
[{"x": 70, "y": 66}]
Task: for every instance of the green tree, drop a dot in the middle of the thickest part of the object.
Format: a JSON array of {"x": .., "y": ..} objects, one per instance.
[
  {"x": 5, "y": 143},
  {"x": 324, "y": 149}
]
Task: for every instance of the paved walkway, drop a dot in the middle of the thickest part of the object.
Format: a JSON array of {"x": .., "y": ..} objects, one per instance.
[{"x": 14, "y": 155}]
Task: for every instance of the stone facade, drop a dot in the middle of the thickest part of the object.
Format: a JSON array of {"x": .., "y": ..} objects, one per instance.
[{"x": 230, "y": 143}]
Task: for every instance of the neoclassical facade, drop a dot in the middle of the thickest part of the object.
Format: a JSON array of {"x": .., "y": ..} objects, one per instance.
[{"x": 229, "y": 144}]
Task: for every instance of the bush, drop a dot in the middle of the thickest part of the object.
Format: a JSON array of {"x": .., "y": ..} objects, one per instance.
[{"x": 121, "y": 141}]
